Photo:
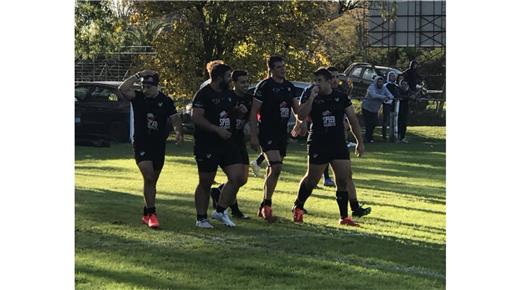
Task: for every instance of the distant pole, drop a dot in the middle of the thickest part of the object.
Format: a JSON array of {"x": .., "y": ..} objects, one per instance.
[{"x": 131, "y": 131}]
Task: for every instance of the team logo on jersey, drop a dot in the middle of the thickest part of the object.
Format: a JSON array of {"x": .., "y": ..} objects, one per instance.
[
  {"x": 269, "y": 142},
  {"x": 225, "y": 122},
  {"x": 289, "y": 89},
  {"x": 142, "y": 153},
  {"x": 160, "y": 104},
  {"x": 315, "y": 155},
  {"x": 328, "y": 121},
  {"x": 284, "y": 111},
  {"x": 326, "y": 113},
  {"x": 208, "y": 156},
  {"x": 336, "y": 99},
  {"x": 152, "y": 124}
]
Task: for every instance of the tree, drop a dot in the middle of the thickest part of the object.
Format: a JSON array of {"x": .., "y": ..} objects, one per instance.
[
  {"x": 97, "y": 29},
  {"x": 241, "y": 33}
]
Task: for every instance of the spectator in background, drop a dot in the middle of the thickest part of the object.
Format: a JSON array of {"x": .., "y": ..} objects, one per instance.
[
  {"x": 405, "y": 94},
  {"x": 376, "y": 95},
  {"x": 411, "y": 76},
  {"x": 388, "y": 106}
]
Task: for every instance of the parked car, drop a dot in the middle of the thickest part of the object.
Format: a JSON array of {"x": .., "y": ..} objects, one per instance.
[
  {"x": 188, "y": 126},
  {"x": 361, "y": 75},
  {"x": 101, "y": 112}
]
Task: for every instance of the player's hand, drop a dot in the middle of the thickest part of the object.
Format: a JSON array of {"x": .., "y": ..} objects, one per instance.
[
  {"x": 314, "y": 91},
  {"x": 223, "y": 133},
  {"x": 296, "y": 130},
  {"x": 360, "y": 149},
  {"x": 242, "y": 109},
  {"x": 254, "y": 143}
]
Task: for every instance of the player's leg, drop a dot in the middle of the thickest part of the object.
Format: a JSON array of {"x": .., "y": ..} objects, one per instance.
[
  {"x": 307, "y": 184},
  {"x": 274, "y": 168},
  {"x": 274, "y": 161},
  {"x": 207, "y": 165},
  {"x": 149, "y": 188},
  {"x": 357, "y": 209},
  {"x": 202, "y": 197},
  {"x": 235, "y": 179},
  {"x": 235, "y": 210},
  {"x": 339, "y": 166}
]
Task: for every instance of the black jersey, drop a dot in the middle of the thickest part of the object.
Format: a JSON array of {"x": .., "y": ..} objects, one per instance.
[
  {"x": 277, "y": 99},
  {"x": 151, "y": 117},
  {"x": 242, "y": 118},
  {"x": 327, "y": 115},
  {"x": 218, "y": 110}
]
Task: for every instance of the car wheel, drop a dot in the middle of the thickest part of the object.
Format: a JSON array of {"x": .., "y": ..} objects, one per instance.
[{"x": 118, "y": 131}]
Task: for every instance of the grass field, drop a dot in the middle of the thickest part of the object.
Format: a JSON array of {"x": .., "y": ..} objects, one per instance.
[{"x": 401, "y": 244}]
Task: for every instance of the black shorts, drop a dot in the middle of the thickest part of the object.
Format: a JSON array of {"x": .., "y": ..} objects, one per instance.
[
  {"x": 320, "y": 153},
  {"x": 150, "y": 151},
  {"x": 244, "y": 156},
  {"x": 268, "y": 143},
  {"x": 209, "y": 158}
]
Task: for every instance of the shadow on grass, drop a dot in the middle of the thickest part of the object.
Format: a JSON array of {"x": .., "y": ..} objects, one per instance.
[{"x": 108, "y": 222}]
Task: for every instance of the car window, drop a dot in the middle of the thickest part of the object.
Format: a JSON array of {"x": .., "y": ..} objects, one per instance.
[
  {"x": 81, "y": 93},
  {"x": 382, "y": 72},
  {"x": 369, "y": 74},
  {"x": 102, "y": 94},
  {"x": 356, "y": 72}
]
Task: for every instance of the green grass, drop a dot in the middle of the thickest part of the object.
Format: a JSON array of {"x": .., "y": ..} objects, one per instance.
[{"x": 401, "y": 245}]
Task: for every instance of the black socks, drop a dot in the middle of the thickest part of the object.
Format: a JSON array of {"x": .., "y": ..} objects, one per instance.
[
  {"x": 220, "y": 209},
  {"x": 342, "y": 200},
  {"x": 267, "y": 202},
  {"x": 202, "y": 217},
  {"x": 303, "y": 194},
  {"x": 354, "y": 205},
  {"x": 260, "y": 159},
  {"x": 234, "y": 207},
  {"x": 148, "y": 210}
]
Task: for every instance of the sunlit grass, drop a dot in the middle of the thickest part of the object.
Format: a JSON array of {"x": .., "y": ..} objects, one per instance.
[{"x": 401, "y": 245}]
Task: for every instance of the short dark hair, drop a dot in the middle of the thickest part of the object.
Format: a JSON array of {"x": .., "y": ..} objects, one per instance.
[
  {"x": 272, "y": 59},
  {"x": 213, "y": 63},
  {"x": 238, "y": 73},
  {"x": 332, "y": 68},
  {"x": 219, "y": 70},
  {"x": 152, "y": 80},
  {"x": 322, "y": 71}
]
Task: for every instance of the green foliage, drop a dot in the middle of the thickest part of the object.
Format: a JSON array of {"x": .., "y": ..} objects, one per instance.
[
  {"x": 187, "y": 34},
  {"x": 97, "y": 29},
  {"x": 243, "y": 34}
]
